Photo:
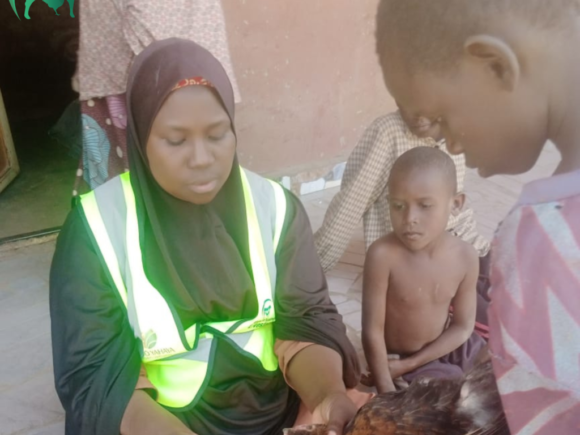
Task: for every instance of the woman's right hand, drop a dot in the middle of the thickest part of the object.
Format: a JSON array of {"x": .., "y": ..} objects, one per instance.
[{"x": 336, "y": 410}]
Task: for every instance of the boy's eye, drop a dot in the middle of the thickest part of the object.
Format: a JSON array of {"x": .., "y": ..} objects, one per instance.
[
  {"x": 175, "y": 142},
  {"x": 397, "y": 206},
  {"x": 424, "y": 205}
]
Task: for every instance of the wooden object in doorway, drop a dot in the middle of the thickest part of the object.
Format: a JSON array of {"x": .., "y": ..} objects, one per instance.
[{"x": 8, "y": 163}]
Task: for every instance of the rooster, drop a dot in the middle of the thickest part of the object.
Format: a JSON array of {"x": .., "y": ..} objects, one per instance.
[{"x": 465, "y": 406}]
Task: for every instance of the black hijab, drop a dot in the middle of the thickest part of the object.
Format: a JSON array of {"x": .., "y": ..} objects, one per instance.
[{"x": 196, "y": 255}]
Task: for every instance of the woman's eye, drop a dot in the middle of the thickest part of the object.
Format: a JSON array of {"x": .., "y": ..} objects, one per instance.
[
  {"x": 426, "y": 205},
  {"x": 216, "y": 136},
  {"x": 175, "y": 143}
]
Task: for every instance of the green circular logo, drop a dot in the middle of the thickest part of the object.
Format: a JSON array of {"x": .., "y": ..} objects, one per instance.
[
  {"x": 149, "y": 339},
  {"x": 267, "y": 308}
]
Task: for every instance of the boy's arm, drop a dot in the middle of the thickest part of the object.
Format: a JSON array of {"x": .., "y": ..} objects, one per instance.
[
  {"x": 462, "y": 324},
  {"x": 374, "y": 305},
  {"x": 363, "y": 181}
]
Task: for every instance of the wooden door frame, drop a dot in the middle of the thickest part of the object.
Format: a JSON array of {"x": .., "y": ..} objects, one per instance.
[{"x": 6, "y": 140}]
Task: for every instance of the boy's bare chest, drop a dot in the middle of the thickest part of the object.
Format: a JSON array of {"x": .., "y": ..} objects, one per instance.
[{"x": 424, "y": 283}]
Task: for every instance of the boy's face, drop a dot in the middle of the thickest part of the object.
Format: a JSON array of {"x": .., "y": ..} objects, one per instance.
[
  {"x": 420, "y": 203},
  {"x": 500, "y": 131}
]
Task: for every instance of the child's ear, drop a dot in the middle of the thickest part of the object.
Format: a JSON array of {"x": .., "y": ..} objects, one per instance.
[
  {"x": 497, "y": 57},
  {"x": 458, "y": 203}
]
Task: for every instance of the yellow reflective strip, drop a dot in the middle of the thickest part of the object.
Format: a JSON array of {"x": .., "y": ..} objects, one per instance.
[
  {"x": 257, "y": 255},
  {"x": 261, "y": 344},
  {"x": 177, "y": 381},
  {"x": 153, "y": 312},
  {"x": 280, "y": 211},
  {"x": 95, "y": 221}
]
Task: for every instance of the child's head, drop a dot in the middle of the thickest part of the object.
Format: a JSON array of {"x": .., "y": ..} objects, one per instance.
[
  {"x": 422, "y": 195},
  {"x": 493, "y": 73}
]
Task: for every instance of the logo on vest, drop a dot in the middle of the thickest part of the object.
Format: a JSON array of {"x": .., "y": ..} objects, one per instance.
[
  {"x": 267, "y": 308},
  {"x": 150, "y": 341}
]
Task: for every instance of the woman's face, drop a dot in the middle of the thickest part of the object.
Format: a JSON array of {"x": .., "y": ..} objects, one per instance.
[{"x": 192, "y": 145}]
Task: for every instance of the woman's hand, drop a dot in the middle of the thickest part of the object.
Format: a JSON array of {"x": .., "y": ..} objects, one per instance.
[{"x": 336, "y": 410}]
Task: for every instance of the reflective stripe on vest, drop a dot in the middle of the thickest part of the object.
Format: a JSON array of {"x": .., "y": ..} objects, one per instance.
[{"x": 178, "y": 362}]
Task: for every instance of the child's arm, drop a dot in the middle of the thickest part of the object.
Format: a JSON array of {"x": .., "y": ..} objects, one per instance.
[
  {"x": 374, "y": 305},
  {"x": 462, "y": 324}
]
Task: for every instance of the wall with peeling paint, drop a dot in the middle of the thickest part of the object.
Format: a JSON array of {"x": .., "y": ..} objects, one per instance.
[{"x": 309, "y": 79}]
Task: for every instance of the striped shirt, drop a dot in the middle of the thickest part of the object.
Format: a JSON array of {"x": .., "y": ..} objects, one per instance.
[
  {"x": 363, "y": 192},
  {"x": 534, "y": 316}
]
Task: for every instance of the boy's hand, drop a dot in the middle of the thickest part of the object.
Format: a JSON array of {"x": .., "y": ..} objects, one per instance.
[
  {"x": 368, "y": 380},
  {"x": 400, "y": 367}
]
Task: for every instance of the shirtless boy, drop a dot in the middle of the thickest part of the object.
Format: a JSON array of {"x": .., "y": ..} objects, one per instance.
[{"x": 413, "y": 276}]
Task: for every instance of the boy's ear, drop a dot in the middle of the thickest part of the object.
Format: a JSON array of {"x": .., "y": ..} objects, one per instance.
[
  {"x": 497, "y": 57},
  {"x": 458, "y": 203}
]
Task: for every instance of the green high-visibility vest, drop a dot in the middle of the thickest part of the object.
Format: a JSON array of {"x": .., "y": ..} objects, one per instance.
[{"x": 179, "y": 362}]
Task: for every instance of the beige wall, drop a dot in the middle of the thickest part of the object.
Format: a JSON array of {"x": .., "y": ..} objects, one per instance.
[{"x": 309, "y": 79}]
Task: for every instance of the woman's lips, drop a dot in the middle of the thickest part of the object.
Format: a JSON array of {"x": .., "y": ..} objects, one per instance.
[{"x": 203, "y": 187}]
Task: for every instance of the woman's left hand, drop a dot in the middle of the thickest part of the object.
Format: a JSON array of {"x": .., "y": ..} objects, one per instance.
[{"x": 336, "y": 410}]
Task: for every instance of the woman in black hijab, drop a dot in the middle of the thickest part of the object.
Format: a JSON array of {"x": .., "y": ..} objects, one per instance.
[{"x": 193, "y": 235}]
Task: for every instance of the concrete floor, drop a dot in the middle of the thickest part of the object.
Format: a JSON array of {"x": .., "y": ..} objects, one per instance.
[
  {"x": 40, "y": 197},
  {"x": 28, "y": 403}
]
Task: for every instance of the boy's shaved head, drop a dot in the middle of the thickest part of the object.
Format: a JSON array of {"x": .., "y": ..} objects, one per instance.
[
  {"x": 424, "y": 159},
  {"x": 430, "y": 34}
]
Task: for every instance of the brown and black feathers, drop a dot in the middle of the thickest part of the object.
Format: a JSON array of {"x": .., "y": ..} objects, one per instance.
[{"x": 466, "y": 406}]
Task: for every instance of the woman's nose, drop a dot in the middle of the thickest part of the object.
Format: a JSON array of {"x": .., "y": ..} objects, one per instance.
[{"x": 200, "y": 155}]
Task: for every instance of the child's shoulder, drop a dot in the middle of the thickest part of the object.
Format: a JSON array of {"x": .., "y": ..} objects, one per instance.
[
  {"x": 387, "y": 245},
  {"x": 461, "y": 251}
]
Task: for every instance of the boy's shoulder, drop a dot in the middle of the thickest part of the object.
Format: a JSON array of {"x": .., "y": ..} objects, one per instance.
[
  {"x": 460, "y": 250},
  {"x": 387, "y": 245}
]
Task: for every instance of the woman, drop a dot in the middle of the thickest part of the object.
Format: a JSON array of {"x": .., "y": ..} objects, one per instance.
[
  {"x": 166, "y": 307},
  {"x": 111, "y": 34}
]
